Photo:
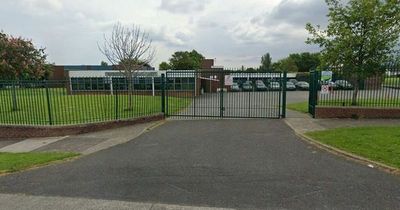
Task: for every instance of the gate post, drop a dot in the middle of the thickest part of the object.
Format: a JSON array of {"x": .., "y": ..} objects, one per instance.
[
  {"x": 313, "y": 92},
  {"x": 163, "y": 94},
  {"x": 222, "y": 86},
  {"x": 284, "y": 94}
]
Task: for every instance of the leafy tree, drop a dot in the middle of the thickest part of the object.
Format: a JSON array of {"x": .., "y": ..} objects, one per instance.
[
  {"x": 184, "y": 60},
  {"x": 306, "y": 61},
  {"x": 103, "y": 63},
  {"x": 359, "y": 38},
  {"x": 164, "y": 66},
  {"x": 286, "y": 64},
  {"x": 20, "y": 60},
  {"x": 266, "y": 62}
]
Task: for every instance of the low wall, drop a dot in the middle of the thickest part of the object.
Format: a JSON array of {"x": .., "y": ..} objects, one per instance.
[
  {"x": 356, "y": 112},
  {"x": 23, "y": 132}
]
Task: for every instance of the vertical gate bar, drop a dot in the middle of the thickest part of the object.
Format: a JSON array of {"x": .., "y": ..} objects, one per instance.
[
  {"x": 284, "y": 94},
  {"x": 163, "y": 94},
  {"x": 166, "y": 95},
  {"x": 221, "y": 84},
  {"x": 48, "y": 103}
]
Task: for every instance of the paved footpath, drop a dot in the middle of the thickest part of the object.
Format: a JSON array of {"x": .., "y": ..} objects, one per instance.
[
  {"x": 240, "y": 164},
  {"x": 84, "y": 144}
]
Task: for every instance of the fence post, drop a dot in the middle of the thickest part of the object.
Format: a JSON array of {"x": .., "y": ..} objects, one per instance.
[
  {"x": 48, "y": 103},
  {"x": 116, "y": 101},
  {"x": 14, "y": 97},
  {"x": 284, "y": 94},
  {"x": 163, "y": 94}
]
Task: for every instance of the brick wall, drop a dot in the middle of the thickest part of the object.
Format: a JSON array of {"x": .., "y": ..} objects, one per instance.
[
  {"x": 356, "y": 112},
  {"x": 23, "y": 132}
]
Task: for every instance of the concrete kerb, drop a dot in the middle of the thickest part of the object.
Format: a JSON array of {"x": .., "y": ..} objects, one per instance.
[{"x": 344, "y": 154}]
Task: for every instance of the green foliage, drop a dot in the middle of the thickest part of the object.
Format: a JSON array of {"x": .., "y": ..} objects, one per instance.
[
  {"x": 375, "y": 143},
  {"x": 286, "y": 64},
  {"x": 103, "y": 63},
  {"x": 266, "y": 63},
  {"x": 184, "y": 60},
  {"x": 164, "y": 66},
  {"x": 306, "y": 61},
  {"x": 19, "y": 59},
  {"x": 360, "y": 37}
]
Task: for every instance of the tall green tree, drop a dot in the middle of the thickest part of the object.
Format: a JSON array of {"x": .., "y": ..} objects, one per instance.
[
  {"x": 266, "y": 63},
  {"x": 306, "y": 61},
  {"x": 164, "y": 66},
  {"x": 286, "y": 64},
  {"x": 185, "y": 60},
  {"x": 19, "y": 59},
  {"x": 360, "y": 37}
]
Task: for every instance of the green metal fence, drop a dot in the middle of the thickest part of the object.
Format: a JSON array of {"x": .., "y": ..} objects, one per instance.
[
  {"x": 61, "y": 103},
  {"x": 346, "y": 89},
  {"x": 226, "y": 94}
]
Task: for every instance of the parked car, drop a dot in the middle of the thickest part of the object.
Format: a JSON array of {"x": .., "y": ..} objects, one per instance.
[
  {"x": 343, "y": 84},
  {"x": 260, "y": 86},
  {"x": 290, "y": 86},
  {"x": 274, "y": 86},
  {"x": 235, "y": 87},
  {"x": 294, "y": 81},
  {"x": 247, "y": 86},
  {"x": 302, "y": 85}
]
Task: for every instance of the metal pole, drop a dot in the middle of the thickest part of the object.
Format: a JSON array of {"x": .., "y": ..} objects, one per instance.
[
  {"x": 163, "y": 94},
  {"x": 48, "y": 103},
  {"x": 284, "y": 95}
]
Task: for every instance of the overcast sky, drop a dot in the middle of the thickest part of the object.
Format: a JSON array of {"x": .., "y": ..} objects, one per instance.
[{"x": 234, "y": 32}]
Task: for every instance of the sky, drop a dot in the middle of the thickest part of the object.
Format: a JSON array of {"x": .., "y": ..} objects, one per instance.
[{"x": 233, "y": 32}]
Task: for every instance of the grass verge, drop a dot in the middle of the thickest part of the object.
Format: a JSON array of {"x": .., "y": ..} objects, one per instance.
[
  {"x": 300, "y": 107},
  {"x": 379, "y": 144},
  {"x": 34, "y": 108},
  {"x": 12, "y": 162}
]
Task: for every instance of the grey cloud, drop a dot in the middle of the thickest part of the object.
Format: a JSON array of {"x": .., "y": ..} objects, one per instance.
[{"x": 183, "y": 6}]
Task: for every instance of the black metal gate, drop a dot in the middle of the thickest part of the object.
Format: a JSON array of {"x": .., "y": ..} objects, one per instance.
[{"x": 225, "y": 94}]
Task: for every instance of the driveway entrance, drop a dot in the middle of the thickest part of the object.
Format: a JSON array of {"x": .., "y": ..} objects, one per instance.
[
  {"x": 244, "y": 164},
  {"x": 225, "y": 94}
]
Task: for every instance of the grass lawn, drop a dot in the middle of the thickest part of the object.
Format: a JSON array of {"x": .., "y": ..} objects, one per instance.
[
  {"x": 300, "y": 107},
  {"x": 10, "y": 162},
  {"x": 33, "y": 107},
  {"x": 381, "y": 144},
  {"x": 392, "y": 82},
  {"x": 303, "y": 106}
]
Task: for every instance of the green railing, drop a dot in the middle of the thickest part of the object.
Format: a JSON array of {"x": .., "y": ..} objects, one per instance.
[
  {"x": 63, "y": 103},
  {"x": 380, "y": 90}
]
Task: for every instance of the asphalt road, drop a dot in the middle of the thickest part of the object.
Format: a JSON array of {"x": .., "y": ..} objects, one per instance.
[{"x": 245, "y": 164}]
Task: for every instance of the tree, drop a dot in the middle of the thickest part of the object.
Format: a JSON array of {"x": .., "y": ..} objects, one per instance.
[
  {"x": 360, "y": 37},
  {"x": 306, "y": 61},
  {"x": 164, "y": 66},
  {"x": 20, "y": 60},
  {"x": 266, "y": 62},
  {"x": 131, "y": 49},
  {"x": 184, "y": 60},
  {"x": 103, "y": 63},
  {"x": 286, "y": 64}
]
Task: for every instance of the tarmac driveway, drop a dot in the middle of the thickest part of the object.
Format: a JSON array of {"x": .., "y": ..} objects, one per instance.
[{"x": 246, "y": 164}]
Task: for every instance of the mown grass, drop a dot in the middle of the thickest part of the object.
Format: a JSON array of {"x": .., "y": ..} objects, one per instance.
[
  {"x": 12, "y": 162},
  {"x": 381, "y": 144},
  {"x": 303, "y": 106},
  {"x": 299, "y": 107},
  {"x": 33, "y": 108},
  {"x": 392, "y": 82}
]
